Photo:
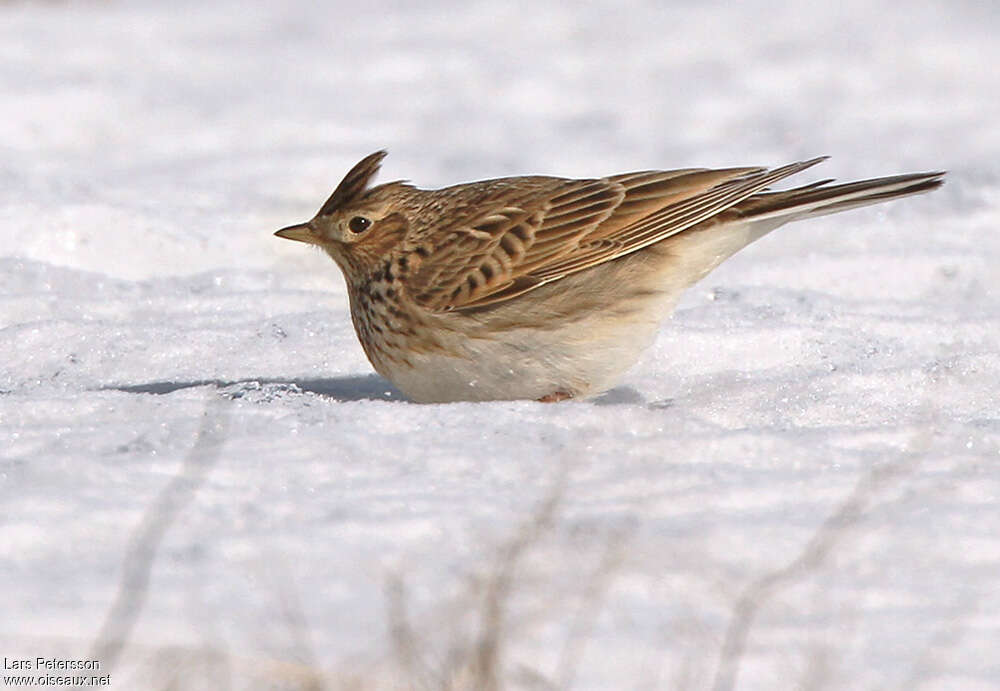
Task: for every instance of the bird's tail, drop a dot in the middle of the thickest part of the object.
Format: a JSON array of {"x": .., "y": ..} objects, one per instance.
[{"x": 821, "y": 198}]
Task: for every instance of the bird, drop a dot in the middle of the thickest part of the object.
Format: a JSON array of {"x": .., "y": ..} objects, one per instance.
[{"x": 546, "y": 288}]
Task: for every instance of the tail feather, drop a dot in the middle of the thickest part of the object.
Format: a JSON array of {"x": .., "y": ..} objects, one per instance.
[{"x": 820, "y": 198}]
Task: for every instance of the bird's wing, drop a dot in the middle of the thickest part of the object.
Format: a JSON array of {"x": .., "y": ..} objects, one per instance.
[{"x": 525, "y": 238}]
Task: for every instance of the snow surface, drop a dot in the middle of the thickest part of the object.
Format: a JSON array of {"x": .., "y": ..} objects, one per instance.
[{"x": 798, "y": 484}]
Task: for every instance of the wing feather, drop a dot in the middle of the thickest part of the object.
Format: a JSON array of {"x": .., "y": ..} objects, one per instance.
[{"x": 528, "y": 238}]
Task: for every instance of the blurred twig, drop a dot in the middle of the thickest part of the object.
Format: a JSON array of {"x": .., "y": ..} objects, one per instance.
[
  {"x": 294, "y": 615},
  {"x": 833, "y": 530},
  {"x": 582, "y": 624},
  {"x": 474, "y": 665},
  {"x": 147, "y": 537},
  {"x": 404, "y": 639},
  {"x": 486, "y": 663}
]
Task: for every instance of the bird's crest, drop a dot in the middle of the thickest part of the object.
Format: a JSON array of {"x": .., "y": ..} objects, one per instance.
[{"x": 354, "y": 183}]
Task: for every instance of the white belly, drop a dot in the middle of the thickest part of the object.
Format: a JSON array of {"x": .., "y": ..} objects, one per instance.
[{"x": 524, "y": 364}]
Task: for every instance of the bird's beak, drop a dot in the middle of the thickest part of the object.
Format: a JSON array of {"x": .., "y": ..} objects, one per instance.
[{"x": 302, "y": 232}]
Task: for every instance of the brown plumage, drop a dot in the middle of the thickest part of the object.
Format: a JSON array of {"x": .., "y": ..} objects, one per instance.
[{"x": 544, "y": 287}]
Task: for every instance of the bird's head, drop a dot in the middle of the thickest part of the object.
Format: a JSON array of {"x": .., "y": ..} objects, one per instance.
[{"x": 358, "y": 227}]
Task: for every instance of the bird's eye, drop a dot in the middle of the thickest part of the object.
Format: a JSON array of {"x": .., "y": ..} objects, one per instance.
[{"x": 359, "y": 224}]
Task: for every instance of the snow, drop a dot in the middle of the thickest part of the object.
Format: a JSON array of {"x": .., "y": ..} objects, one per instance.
[{"x": 797, "y": 485}]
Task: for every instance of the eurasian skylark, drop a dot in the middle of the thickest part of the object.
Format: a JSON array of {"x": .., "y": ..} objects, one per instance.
[{"x": 542, "y": 287}]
